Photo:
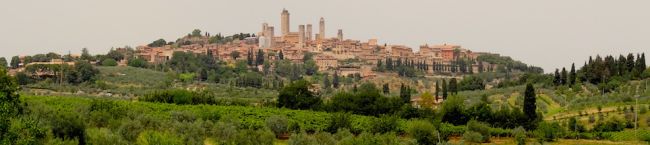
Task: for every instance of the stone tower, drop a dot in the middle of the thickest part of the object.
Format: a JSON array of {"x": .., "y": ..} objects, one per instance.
[
  {"x": 340, "y": 35},
  {"x": 301, "y": 36},
  {"x": 269, "y": 33},
  {"x": 321, "y": 32},
  {"x": 308, "y": 32},
  {"x": 285, "y": 22}
]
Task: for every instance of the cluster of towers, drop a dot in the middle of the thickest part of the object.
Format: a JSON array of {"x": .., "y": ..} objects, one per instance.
[{"x": 300, "y": 38}]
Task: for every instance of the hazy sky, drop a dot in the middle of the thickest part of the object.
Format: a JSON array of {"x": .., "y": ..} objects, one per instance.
[{"x": 548, "y": 33}]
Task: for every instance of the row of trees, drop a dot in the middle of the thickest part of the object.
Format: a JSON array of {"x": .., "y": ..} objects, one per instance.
[
  {"x": 454, "y": 111},
  {"x": 605, "y": 71},
  {"x": 81, "y": 71},
  {"x": 508, "y": 63},
  {"x": 368, "y": 100}
]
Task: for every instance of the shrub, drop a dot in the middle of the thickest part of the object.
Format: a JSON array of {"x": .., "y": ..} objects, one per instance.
[
  {"x": 225, "y": 132},
  {"x": 446, "y": 130},
  {"x": 338, "y": 121},
  {"x": 294, "y": 127},
  {"x": 423, "y": 132},
  {"x": 473, "y": 137},
  {"x": 68, "y": 125},
  {"x": 138, "y": 62},
  {"x": 613, "y": 124},
  {"x": 278, "y": 124},
  {"x": 130, "y": 129},
  {"x": 99, "y": 118},
  {"x": 109, "y": 62},
  {"x": 183, "y": 116},
  {"x": 325, "y": 138},
  {"x": 643, "y": 110},
  {"x": 301, "y": 139},
  {"x": 158, "y": 138},
  {"x": 645, "y": 137},
  {"x": 548, "y": 132},
  {"x": 477, "y": 132},
  {"x": 210, "y": 115},
  {"x": 178, "y": 97},
  {"x": 520, "y": 135},
  {"x": 575, "y": 126},
  {"x": 24, "y": 131},
  {"x": 297, "y": 96},
  {"x": 342, "y": 133},
  {"x": 104, "y": 136},
  {"x": 254, "y": 137},
  {"x": 191, "y": 133},
  {"x": 384, "y": 124}
]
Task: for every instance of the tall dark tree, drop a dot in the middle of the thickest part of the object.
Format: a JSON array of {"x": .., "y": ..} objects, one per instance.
[
  {"x": 389, "y": 64},
  {"x": 572, "y": 74},
  {"x": 249, "y": 57},
  {"x": 386, "y": 89},
  {"x": 326, "y": 81},
  {"x": 281, "y": 56},
  {"x": 444, "y": 89},
  {"x": 405, "y": 94},
  {"x": 622, "y": 65},
  {"x": 15, "y": 62},
  {"x": 630, "y": 62},
  {"x": 530, "y": 105},
  {"x": 437, "y": 89},
  {"x": 453, "y": 86},
  {"x": 82, "y": 72},
  {"x": 260, "y": 57},
  {"x": 564, "y": 77},
  {"x": 380, "y": 65},
  {"x": 640, "y": 64},
  {"x": 557, "y": 79},
  {"x": 85, "y": 55},
  {"x": 335, "y": 80}
]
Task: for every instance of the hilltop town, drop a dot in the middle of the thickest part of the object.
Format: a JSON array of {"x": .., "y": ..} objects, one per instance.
[
  {"x": 328, "y": 52},
  {"x": 304, "y": 88}
]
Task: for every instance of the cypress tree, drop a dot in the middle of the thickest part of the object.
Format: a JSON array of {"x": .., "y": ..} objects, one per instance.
[
  {"x": 563, "y": 77},
  {"x": 640, "y": 64},
  {"x": 557, "y": 79},
  {"x": 630, "y": 62},
  {"x": 326, "y": 82},
  {"x": 437, "y": 89},
  {"x": 444, "y": 89},
  {"x": 572, "y": 74},
  {"x": 453, "y": 86},
  {"x": 530, "y": 105},
  {"x": 260, "y": 57},
  {"x": 281, "y": 56},
  {"x": 405, "y": 94},
  {"x": 335, "y": 80},
  {"x": 386, "y": 89},
  {"x": 622, "y": 65},
  {"x": 249, "y": 57}
]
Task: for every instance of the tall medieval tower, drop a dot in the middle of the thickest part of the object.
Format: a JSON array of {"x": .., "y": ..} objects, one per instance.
[
  {"x": 285, "y": 22},
  {"x": 321, "y": 32},
  {"x": 340, "y": 35},
  {"x": 301, "y": 36},
  {"x": 308, "y": 33}
]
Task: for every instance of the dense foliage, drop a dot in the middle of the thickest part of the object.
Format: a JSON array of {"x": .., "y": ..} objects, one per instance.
[{"x": 297, "y": 96}]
